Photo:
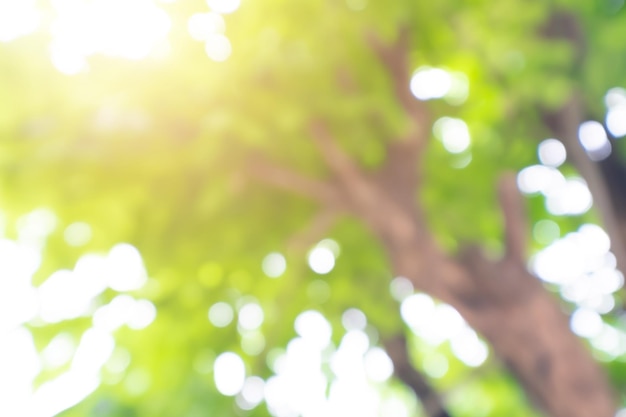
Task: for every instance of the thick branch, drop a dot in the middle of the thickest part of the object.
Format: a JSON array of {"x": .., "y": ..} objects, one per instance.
[
  {"x": 523, "y": 323},
  {"x": 431, "y": 401},
  {"x": 395, "y": 58},
  {"x": 286, "y": 179},
  {"x": 343, "y": 166},
  {"x": 515, "y": 226}
]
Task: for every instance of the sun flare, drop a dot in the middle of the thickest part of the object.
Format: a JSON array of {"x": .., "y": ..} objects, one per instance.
[{"x": 130, "y": 29}]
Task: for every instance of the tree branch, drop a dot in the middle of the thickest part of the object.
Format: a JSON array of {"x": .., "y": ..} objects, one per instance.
[
  {"x": 322, "y": 192},
  {"x": 343, "y": 166},
  {"x": 431, "y": 401},
  {"x": 515, "y": 227},
  {"x": 395, "y": 58}
]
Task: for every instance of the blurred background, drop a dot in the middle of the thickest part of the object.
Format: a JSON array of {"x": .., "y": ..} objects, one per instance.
[{"x": 145, "y": 272}]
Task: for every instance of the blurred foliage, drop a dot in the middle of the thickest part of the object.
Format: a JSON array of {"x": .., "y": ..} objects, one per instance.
[{"x": 154, "y": 153}]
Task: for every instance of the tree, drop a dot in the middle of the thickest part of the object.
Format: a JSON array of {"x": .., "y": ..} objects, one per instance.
[{"x": 310, "y": 130}]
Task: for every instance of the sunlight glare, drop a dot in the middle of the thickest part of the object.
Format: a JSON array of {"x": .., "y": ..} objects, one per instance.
[
  {"x": 601, "y": 304},
  {"x": 129, "y": 29},
  {"x": 252, "y": 390},
  {"x": 125, "y": 268},
  {"x": 552, "y": 153},
  {"x": 66, "y": 60},
  {"x": 230, "y": 373},
  {"x": 202, "y": 25},
  {"x": 77, "y": 234},
  {"x": 539, "y": 179},
  {"x": 353, "y": 398},
  {"x": 378, "y": 365},
  {"x": 355, "y": 342},
  {"x": 610, "y": 341},
  {"x": 615, "y": 97},
  {"x": 142, "y": 315},
  {"x": 251, "y": 316},
  {"x": 221, "y": 314},
  {"x": 61, "y": 393},
  {"x": 313, "y": 327},
  {"x": 434, "y": 323},
  {"x": 33, "y": 228},
  {"x": 571, "y": 198},
  {"x": 331, "y": 245},
  {"x": 115, "y": 314},
  {"x": 583, "y": 267},
  {"x": 417, "y": 309},
  {"x": 299, "y": 388},
  {"x": 449, "y": 320},
  {"x": 218, "y": 47},
  {"x": 353, "y": 319},
  {"x": 224, "y": 6},
  {"x": 430, "y": 83},
  {"x": 279, "y": 395},
  {"x": 18, "y": 298},
  {"x": 401, "y": 288},
  {"x": 60, "y": 298},
  {"x": 18, "y": 18},
  {"x": 596, "y": 238},
  {"x": 19, "y": 366},
  {"x": 453, "y": 134},
  {"x": 94, "y": 350},
  {"x": 593, "y": 138},
  {"x": 394, "y": 407},
  {"x": 90, "y": 275},
  {"x": 608, "y": 280},
  {"x": 586, "y": 323},
  {"x": 468, "y": 347},
  {"x": 570, "y": 257},
  {"x": 321, "y": 260},
  {"x": 616, "y": 121},
  {"x": 615, "y": 100},
  {"x": 59, "y": 351},
  {"x": 274, "y": 265},
  {"x": 119, "y": 361},
  {"x": 70, "y": 294}
]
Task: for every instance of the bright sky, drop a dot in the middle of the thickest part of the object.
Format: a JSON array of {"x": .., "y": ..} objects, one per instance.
[{"x": 128, "y": 29}]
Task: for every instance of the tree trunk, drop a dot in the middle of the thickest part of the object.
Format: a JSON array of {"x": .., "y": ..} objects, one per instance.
[{"x": 521, "y": 320}]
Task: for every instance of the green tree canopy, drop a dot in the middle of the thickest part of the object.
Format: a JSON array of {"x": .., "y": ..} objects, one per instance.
[{"x": 267, "y": 208}]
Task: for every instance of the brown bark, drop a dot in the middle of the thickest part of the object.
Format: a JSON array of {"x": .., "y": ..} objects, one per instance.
[{"x": 523, "y": 323}]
